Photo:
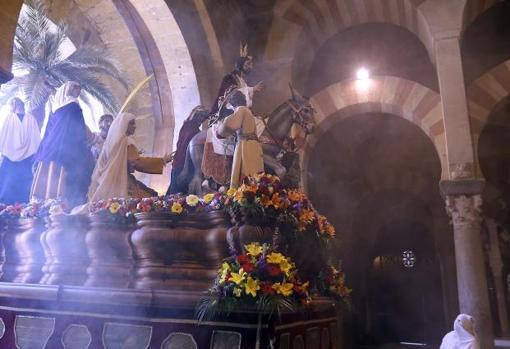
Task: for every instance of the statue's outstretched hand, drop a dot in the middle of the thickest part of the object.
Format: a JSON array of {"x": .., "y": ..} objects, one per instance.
[
  {"x": 259, "y": 86},
  {"x": 168, "y": 158}
]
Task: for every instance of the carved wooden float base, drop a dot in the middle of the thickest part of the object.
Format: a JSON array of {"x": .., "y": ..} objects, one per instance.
[
  {"x": 178, "y": 254},
  {"x": 52, "y": 316}
]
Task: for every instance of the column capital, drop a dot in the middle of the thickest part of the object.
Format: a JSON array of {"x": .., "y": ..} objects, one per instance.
[
  {"x": 466, "y": 187},
  {"x": 464, "y": 209},
  {"x": 463, "y": 200}
]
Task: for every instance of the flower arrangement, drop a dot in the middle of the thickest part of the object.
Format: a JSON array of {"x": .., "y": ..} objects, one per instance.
[
  {"x": 263, "y": 200},
  {"x": 42, "y": 209},
  {"x": 261, "y": 278},
  {"x": 333, "y": 284},
  {"x": 180, "y": 205},
  {"x": 10, "y": 212},
  {"x": 115, "y": 210},
  {"x": 34, "y": 209}
]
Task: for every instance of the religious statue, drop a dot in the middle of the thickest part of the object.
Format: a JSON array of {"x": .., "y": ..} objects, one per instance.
[
  {"x": 119, "y": 158},
  {"x": 236, "y": 79},
  {"x": 248, "y": 156},
  {"x": 208, "y": 155},
  {"x": 64, "y": 162}
]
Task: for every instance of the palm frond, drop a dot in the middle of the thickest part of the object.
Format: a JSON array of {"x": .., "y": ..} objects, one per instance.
[
  {"x": 35, "y": 89},
  {"x": 36, "y": 20},
  {"x": 52, "y": 43},
  {"x": 99, "y": 61},
  {"x": 89, "y": 82},
  {"x": 37, "y": 51}
]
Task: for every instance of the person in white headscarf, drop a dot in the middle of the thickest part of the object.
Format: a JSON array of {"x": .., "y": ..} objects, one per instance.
[
  {"x": 463, "y": 335},
  {"x": 19, "y": 140},
  {"x": 64, "y": 160},
  {"x": 119, "y": 158}
]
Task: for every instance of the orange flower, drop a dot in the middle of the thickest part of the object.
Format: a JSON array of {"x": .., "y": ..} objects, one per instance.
[
  {"x": 276, "y": 201},
  {"x": 306, "y": 216},
  {"x": 264, "y": 201},
  {"x": 295, "y": 195}
]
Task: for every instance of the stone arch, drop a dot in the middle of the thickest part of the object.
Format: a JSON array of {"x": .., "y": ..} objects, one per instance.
[
  {"x": 483, "y": 95},
  {"x": 146, "y": 37},
  {"x": 474, "y": 8},
  {"x": 9, "y": 12},
  {"x": 300, "y": 28},
  {"x": 318, "y": 20},
  {"x": 407, "y": 99}
]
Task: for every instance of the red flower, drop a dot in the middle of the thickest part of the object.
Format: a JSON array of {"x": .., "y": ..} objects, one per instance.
[
  {"x": 248, "y": 267},
  {"x": 243, "y": 259},
  {"x": 267, "y": 288},
  {"x": 273, "y": 270}
]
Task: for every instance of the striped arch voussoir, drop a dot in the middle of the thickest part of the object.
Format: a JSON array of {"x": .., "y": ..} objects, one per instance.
[
  {"x": 407, "y": 99},
  {"x": 483, "y": 95}
]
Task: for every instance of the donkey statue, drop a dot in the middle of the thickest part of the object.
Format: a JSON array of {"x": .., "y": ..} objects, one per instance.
[{"x": 280, "y": 151}]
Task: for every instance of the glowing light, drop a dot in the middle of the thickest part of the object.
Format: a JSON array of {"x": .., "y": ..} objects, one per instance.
[{"x": 363, "y": 74}]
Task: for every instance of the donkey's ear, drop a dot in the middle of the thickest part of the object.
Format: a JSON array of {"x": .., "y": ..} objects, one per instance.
[{"x": 292, "y": 91}]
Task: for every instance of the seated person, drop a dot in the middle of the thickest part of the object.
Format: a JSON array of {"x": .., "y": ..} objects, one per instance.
[{"x": 112, "y": 177}]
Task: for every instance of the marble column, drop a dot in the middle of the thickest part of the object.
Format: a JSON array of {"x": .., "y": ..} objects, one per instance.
[
  {"x": 463, "y": 205},
  {"x": 497, "y": 272}
]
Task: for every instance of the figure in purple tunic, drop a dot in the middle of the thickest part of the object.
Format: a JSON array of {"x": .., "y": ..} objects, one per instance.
[{"x": 64, "y": 161}]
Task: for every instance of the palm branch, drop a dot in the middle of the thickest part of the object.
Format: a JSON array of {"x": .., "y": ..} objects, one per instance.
[{"x": 38, "y": 55}]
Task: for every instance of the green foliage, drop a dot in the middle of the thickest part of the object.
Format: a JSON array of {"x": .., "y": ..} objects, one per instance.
[{"x": 37, "y": 53}]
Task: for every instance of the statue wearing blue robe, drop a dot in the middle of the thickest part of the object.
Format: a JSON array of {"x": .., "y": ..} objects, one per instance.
[{"x": 65, "y": 162}]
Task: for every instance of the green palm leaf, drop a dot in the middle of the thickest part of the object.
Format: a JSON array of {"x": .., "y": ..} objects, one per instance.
[{"x": 38, "y": 54}]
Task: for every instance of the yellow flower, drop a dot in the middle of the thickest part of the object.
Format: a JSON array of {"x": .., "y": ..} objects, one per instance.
[
  {"x": 275, "y": 257},
  {"x": 254, "y": 249},
  {"x": 176, "y": 208},
  {"x": 237, "y": 292},
  {"x": 237, "y": 278},
  {"x": 284, "y": 289},
  {"x": 285, "y": 266},
  {"x": 251, "y": 287},
  {"x": 114, "y": 207},
  {"x": 225, "y": 269},
  {"x": 192, "y": 200},
  {"x": 208, "y": 198},
  {"x": 231, "y": 192}
]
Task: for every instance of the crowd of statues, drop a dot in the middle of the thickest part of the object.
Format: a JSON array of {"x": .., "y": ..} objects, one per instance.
[{"x": 67, "y": 161}]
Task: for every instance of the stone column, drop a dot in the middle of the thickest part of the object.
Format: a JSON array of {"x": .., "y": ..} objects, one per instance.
[
  {"x": 9, "y": 11},
  {"x": 497, "y": 272},
  {"x": 463, "y": 204},
  {"x": 454, "y": 104}
]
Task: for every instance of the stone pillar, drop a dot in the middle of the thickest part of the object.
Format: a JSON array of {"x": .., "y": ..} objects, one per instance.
[
  {"x": 9, "y": 11},
  {"x": 463, "y": 204},
  {"x": 454, "y": 104},
  {"x": 497, "y": 272}
]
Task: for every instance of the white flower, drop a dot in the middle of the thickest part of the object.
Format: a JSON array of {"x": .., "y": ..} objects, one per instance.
[{"x": 192, "y": 200}]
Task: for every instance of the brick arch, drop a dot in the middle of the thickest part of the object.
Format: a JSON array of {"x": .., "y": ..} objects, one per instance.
[
  {"x": 407, "y": 99},
  {"x": 483, "y": 95}
]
